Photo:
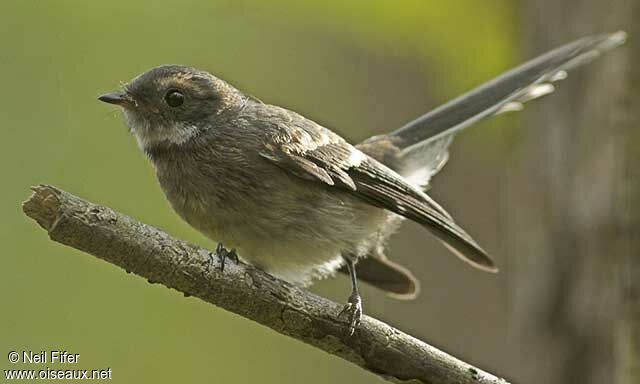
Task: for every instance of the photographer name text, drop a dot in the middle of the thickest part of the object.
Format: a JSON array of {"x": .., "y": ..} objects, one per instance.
[{"x": 46, "y": 357}]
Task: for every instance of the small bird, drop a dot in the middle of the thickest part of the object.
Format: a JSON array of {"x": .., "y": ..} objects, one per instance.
[{"x": 293, "y": 197}]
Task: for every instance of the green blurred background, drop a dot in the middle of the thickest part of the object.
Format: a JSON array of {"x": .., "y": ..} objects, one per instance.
[{"x": 359, "y": 67}]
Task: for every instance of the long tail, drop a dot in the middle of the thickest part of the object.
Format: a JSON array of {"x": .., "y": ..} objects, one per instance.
[
  {"x": 419, "y": 149},
  {"x": 423, "y": 142}
]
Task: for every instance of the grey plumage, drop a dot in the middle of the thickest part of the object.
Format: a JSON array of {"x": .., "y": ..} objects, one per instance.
[
  {"x": 503, "y": 94},
  {"x": 295, "y": 198}
]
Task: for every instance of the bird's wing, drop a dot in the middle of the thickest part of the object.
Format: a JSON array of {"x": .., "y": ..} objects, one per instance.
[{"x": 310, "y": 151}]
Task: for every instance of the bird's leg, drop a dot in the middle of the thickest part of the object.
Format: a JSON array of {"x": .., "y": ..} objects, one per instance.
[
  {"x": 353, "y": 308},
  {"x": 223, "y": 253}
]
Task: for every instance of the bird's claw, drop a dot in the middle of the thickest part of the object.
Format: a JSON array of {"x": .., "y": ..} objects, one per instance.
[
  {"x": 224, "y": 254},
  {"x": 210, "y": 259},
  {"x": 353, "y": 311}
]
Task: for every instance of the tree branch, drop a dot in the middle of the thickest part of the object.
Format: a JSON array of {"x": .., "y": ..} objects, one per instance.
[{"x": 242, "y": 289}]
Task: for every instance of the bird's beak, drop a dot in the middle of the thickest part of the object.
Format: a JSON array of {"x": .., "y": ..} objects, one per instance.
[{"x": 118, "y": 98}]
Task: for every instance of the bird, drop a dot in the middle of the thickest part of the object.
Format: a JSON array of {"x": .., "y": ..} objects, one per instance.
[{"x": 294, "y": 198}]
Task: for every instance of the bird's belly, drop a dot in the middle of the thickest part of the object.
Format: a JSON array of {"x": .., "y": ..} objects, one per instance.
[
  {"x": 299, "y": 262},
  {"x": 298, "y": 235}
]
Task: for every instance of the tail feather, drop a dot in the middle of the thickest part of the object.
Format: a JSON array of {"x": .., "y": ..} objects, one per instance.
[
  {"x": 419, "y": 150},
  {"x": 388, "y": 276},
  {"x": 420, "y": 142}
]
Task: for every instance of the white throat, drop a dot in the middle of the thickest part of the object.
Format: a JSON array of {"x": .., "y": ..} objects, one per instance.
[{"x": 148, "y": 137}]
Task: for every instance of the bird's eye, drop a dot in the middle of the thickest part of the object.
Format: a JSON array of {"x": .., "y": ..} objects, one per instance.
[{"x": 174, "y": 98}]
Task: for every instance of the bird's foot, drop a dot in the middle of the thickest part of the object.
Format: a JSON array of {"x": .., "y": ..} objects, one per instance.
[
  {"x": 224, "y": 254},
  {"x": 353, "y": 312},
  {"x": 210, "y": 260}
]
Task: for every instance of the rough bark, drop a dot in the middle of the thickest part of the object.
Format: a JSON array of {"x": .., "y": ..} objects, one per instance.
[{"x": 151, "y": 253}]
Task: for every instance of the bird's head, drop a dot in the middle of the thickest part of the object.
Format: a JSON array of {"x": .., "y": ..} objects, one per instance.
[{"x": 172, "y": 104}]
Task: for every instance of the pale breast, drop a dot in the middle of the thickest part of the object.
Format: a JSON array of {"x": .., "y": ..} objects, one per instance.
[{"x": 293, "y": 228}]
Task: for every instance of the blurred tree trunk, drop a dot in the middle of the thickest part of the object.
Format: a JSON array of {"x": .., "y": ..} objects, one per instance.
[
  {"x": 628, "y": 335},
  {"x": 564, "y": 204}
]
